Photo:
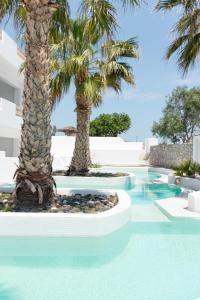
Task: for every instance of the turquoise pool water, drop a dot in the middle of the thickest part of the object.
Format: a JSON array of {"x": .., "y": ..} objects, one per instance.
[
  {"x": 142, "y": 261},
  {"x": 145, "y": 189}
]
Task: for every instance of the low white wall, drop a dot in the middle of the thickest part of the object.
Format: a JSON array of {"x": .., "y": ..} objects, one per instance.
[
  {"x": 196, "y": 149},
  {"x": 62, "y": 224},
  {"x": 121, "y": 182},
  {"x": 148, "y": 143},
  {"x": 118, "y": 156},
  {"x": 190, "y": 183},
  {"x": 104, "y": 151}
]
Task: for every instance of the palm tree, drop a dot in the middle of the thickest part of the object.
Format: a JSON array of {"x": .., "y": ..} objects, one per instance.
[
  {"x": 187, "y": 30},
  {"x": 34, "y": 174},
  {"x": 34, "y": 181},
  {"x": 76, "y": 56}
]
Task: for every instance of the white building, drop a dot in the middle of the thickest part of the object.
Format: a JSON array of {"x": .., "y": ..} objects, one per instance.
[{"x": 11, "y": 86}]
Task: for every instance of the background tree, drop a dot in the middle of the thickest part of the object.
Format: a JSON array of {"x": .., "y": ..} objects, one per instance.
[
  {"x": 110, "y": 124},
  {"x": 187, "y": 31},
  {"x": 181, "y": 116}
]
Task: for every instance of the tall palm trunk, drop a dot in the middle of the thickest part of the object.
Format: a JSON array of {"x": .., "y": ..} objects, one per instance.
[
  {"x": 81, "y": 160},
  {"x": 34, "y": 175}
]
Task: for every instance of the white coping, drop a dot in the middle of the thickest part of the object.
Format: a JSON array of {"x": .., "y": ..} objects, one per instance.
[
  {"x": 176, "y": 207},
  {"x": 120, "y": 182},
  {"x": 72, "y": 224}
]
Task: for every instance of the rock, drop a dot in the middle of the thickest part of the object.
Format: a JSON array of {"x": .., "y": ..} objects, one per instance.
[
  {"x": 101, "y": 197},
  {"x": 78, "y": 196},
  {"x": 63, "y": 198},
  {"x": 104, "y": 208},
  {"x": 92, "y": 210},
  {"x": 104, "y": 201},
  {"x": 97, "y": 202},
  {"x": 54, "y": 209},
  {"x": 66, "y": 208},
  {"x": 75, "y": 210},
  {"x": 98, "y": 207},
  {"x": 91, "y": 204}
]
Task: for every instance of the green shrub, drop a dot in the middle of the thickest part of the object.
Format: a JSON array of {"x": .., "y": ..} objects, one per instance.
[{"x": 187, "y": 168}]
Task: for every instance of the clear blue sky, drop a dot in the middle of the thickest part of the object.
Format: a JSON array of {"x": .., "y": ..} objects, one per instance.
[{"x": 155, "y": 77}]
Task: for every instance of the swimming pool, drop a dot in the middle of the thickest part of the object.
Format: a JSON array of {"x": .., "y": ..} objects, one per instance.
[
  {"x": 145, "y": 189},
  {"x": 142, "y": 261}
]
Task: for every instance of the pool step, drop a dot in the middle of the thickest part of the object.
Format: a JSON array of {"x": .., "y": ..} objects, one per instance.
[{"x": 147, "y": 213}]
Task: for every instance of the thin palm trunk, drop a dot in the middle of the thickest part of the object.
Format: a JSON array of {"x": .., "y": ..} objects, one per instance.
[
  {"x": 34, "y": 175},
  {"x": 81, "y": 160}
]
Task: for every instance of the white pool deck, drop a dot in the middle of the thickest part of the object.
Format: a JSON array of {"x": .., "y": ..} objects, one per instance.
[{"x": 176, "y": 207}]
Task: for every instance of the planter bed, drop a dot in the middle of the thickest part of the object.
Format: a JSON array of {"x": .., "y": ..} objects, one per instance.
[
  {"x": 117, "y": 180},
  {"x": 69, "y": 224}
]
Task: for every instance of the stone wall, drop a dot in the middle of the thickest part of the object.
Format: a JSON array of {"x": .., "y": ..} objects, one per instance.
[{"x": 169, "y": 156}]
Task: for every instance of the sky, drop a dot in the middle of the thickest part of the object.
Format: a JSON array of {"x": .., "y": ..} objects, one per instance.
[{"x": 155, "y": 77}]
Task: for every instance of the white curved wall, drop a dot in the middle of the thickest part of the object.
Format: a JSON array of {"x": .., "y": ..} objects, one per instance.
[
  {"x": 120, "y": 182},
  {"x": 62, "y": 224}
]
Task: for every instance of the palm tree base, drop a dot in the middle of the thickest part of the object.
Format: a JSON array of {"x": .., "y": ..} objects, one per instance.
[
  {"x": 27, "y": 200},
  {"x": 72, "y": 171}
]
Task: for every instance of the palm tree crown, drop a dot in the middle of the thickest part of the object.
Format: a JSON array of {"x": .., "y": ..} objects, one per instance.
[
  {"x": 187, "y": 30},
  {"x": 78, "y": 56}
]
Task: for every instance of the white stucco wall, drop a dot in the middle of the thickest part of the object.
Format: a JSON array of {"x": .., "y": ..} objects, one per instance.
[
  {"x": 10, "y": 124},
  {"x": 8, "y": 166},
  {"x": 104, "y": 151},
  {"x": 196, "y": 149},
  {"x": 63, "y": 224},
  {"x": 11, "y": 87}
]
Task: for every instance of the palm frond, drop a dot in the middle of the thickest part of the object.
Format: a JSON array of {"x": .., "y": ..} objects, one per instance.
[
  {"x": 101, "y": 16},
  {"x": 59, "y": 85},
  {"x": 115, "y": 49},
  {"x": 7, "y": 8},
  {"x": 186, "y": 44},
  {"x": 121, "y": 69},
  {"x": 132, "y": 3},
  {"x": 170, "y": 4}
]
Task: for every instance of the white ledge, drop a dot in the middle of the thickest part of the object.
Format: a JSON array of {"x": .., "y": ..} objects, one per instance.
[
  {"x": 120, "y": 182},
  {"x": 68, "y": 224},
  {"x": 176, "y": 207}
]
